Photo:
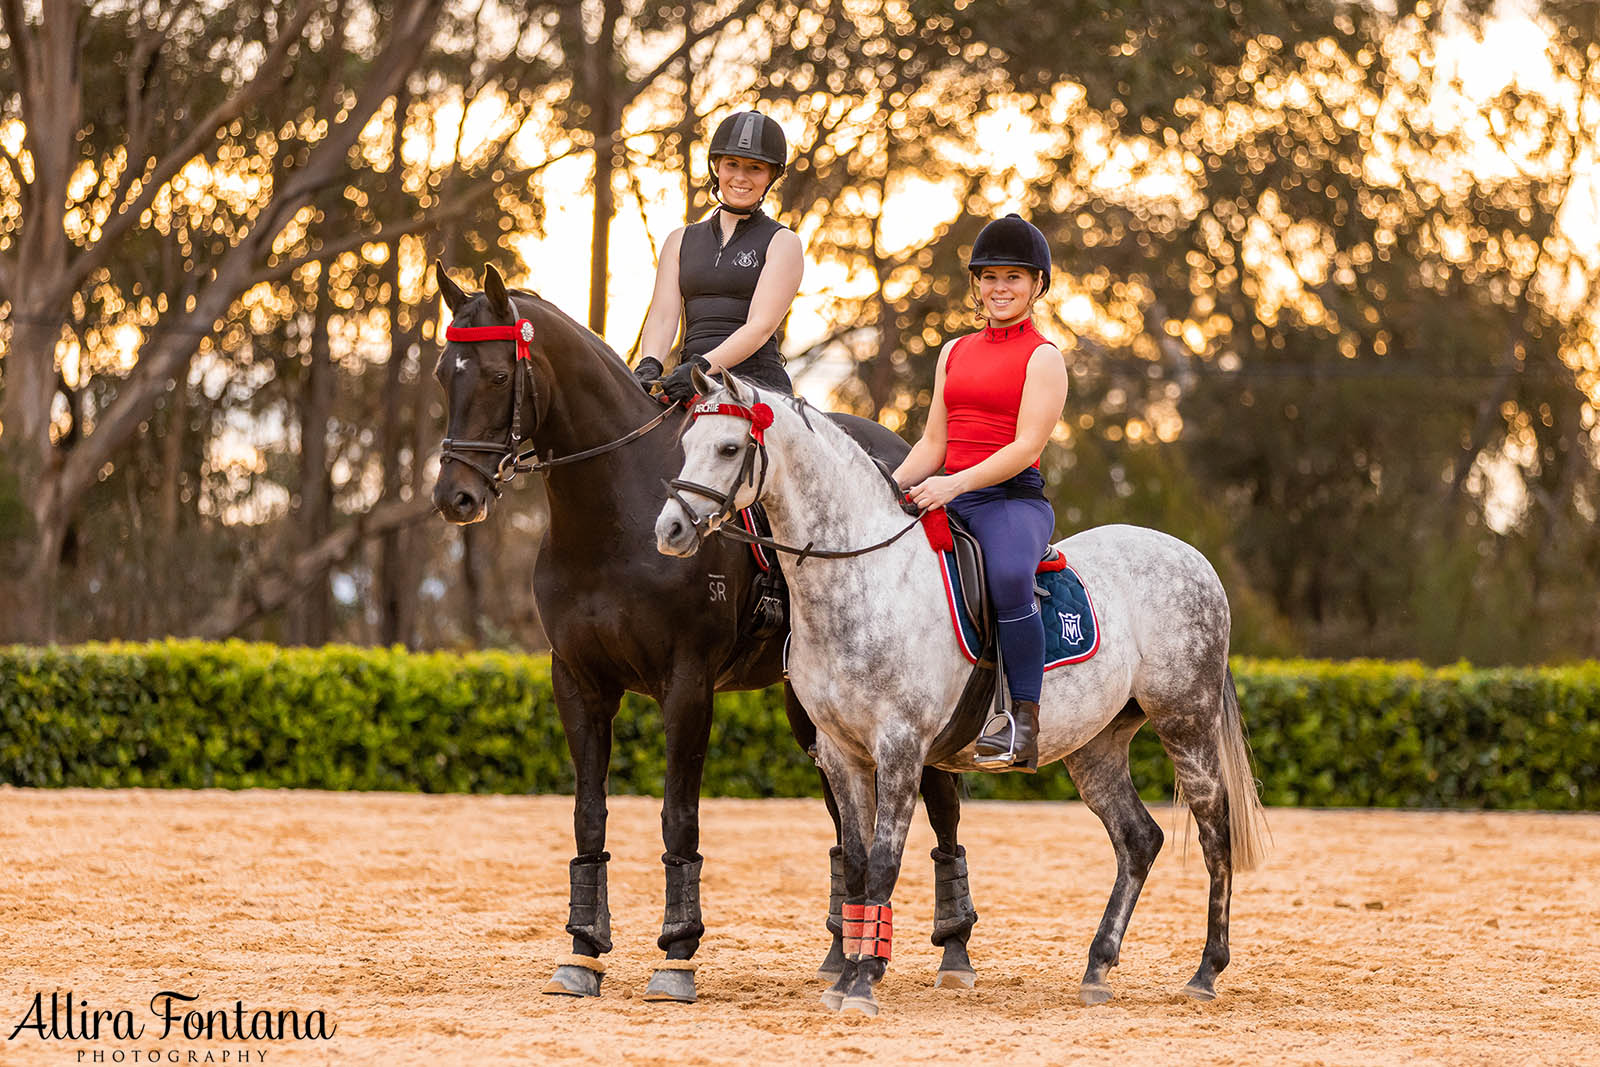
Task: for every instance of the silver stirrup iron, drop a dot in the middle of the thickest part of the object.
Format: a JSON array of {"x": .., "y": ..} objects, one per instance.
[{"x": 1009, "y": 756}]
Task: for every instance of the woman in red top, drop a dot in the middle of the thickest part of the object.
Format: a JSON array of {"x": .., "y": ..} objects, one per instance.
[{"x": 997, "y": 396}]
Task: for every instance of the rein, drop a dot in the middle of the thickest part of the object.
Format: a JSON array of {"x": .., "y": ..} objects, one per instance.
[
  {"x": 512, "y": 459},
  {"x": 759, "y": 417}
]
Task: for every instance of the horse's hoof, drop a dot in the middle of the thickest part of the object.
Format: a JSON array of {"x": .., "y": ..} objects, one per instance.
[
  {"x": 1198, "y": 992},
  {"x": 866, "y": 1005},
  {"x": 955, "y": 979},
  {"x": 1094, "y": 993},
  {"x": 832, "y": 999},
  {"x": 571, "y": 980},
  {"x": 674, "y": 984}
]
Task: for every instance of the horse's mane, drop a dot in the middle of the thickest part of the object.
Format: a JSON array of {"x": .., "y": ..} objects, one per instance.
[
  {"x": 831, "y": 431},
  {"x": 592, "y": 340}
]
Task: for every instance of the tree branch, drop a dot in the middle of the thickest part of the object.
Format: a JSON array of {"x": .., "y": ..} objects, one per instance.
[
  {"x": 119, "y": 223},
  {"x": 265, "y": 593},
  {"x": 173, "y": 351},
  {"x": 690, "y": 39},
  {"x": 384, "y": 233}
]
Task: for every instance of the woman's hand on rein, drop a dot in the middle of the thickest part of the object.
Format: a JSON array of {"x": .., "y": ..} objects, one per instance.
[{"x": 936, "y": 492}]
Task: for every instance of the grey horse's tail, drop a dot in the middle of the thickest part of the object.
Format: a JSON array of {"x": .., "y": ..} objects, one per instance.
[{"x": 1247, "y": 822}]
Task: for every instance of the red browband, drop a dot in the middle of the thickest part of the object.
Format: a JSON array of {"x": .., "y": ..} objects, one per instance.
[
  {"x": 522, "y": 333},
  {"x": 758, "y": 415}
]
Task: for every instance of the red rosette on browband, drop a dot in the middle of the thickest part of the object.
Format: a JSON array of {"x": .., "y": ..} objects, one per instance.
[{"x": 758, "y": 415}]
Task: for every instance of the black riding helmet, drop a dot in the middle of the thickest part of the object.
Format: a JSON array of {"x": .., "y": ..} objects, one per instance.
[
  {"x": 749, "y": 135},
  {"x": 1011, "y": 242}
]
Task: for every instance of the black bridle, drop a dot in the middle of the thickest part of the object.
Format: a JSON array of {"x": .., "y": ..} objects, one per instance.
[
  {"x": 755, "y": 443},
  {"x": 760, "y": 417},
  {"x": 513, "y": 460}
]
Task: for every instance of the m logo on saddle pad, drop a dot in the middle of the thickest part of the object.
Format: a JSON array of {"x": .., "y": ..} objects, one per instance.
[
  {"x": 746, "y": 258},
  {"x": 1071, "y": 636}
]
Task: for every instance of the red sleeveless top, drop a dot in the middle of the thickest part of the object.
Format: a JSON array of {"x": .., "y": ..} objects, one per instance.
[{"x": 983, "y": 380}]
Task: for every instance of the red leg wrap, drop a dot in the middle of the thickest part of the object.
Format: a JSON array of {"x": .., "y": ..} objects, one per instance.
[
  {"x": 868, "y": 930},
  {"x": 854, "y": 914}
]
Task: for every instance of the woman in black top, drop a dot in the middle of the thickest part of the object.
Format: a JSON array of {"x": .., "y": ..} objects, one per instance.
[{"x": 732, "y": 276}]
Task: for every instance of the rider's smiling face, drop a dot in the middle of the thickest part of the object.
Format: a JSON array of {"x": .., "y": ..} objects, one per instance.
[
  {"x": 1007, "y": 293},
  {"x": 743, "y": 182}
]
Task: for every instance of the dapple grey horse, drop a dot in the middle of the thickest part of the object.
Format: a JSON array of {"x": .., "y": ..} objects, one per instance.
[{"x": 876, "y": 662}]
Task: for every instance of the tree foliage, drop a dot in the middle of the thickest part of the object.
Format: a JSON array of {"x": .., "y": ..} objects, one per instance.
[{"x": 1326, "y": 288}]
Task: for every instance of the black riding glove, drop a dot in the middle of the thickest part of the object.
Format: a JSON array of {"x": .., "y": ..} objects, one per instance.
[
  {"x": 647, "y": 370},
  {"x": 679, "y": 385}
]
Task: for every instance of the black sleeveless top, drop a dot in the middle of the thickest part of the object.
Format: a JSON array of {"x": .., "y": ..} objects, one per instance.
[{"x": 717, "y": 281}]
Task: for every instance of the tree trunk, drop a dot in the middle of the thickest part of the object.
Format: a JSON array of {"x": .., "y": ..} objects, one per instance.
[
  {"x": 475, "y": 554},
  {"x": 313, "y": 616},
  {"x": 604, "y": 122},
  {"x": 397, "y": 566}
]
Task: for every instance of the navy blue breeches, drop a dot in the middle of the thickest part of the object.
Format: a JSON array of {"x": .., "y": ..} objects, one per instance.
[{"x": 1013, "y": 523}]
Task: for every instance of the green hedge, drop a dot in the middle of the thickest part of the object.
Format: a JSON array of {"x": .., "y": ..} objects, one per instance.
[{"x": 188, "y": 714}]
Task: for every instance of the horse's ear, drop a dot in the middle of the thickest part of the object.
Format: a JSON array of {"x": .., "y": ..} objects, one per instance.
[
  {"x": 494, "y": 287},
  {"x": 702, "y": 385},
  {"x": 736, "y": 389},
  {"x": 452, "y": 293}
]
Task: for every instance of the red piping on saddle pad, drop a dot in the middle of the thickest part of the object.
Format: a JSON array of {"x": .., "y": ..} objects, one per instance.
[
  {"x": 868, "y": 930},
  {"x": 755, "y": 550}
]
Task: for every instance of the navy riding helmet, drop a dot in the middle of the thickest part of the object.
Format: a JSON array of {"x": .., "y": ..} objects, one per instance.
[
  {"x": 749, "y": 135},
  {"x": 1011, "y": 242}
]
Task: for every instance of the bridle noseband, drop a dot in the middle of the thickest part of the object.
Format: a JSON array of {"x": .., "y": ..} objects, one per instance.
[
  {"x": 513, "y": 460},
  {"x": 760, "y": 417}
]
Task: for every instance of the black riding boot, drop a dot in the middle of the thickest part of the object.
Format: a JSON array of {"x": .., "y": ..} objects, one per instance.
[{"x": 1024, "y": 746}]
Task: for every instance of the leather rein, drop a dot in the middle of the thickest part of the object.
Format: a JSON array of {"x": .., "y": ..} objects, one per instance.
[
  {"x": 512, "y": 459},
  {"x": 760, "y": 417}
]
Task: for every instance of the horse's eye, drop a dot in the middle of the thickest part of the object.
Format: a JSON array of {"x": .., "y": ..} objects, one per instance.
[
  {"x": 728, "y": 451},
  {"x": 501, "y": 378}
]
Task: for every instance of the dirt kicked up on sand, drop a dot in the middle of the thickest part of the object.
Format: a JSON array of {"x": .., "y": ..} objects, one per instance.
[{"x": 423, "y": 927}]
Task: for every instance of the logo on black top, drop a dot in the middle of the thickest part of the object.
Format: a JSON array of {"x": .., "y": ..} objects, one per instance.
[{"x": 746, "y": 258}]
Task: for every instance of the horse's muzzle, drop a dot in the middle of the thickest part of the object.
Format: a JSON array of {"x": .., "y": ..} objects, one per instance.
[
  {"x": 458, "y": 501},
  {"x": 676, "y": 532}
]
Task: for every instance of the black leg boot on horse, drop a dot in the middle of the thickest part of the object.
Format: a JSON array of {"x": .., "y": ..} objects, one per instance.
[
  {"x": 953, "y": 917},
  {"x": 833, "y": 965},
  {"x": 954, "y": 913},
  {"x": 681, "y": 930},
  {"x": 589, "y": 923}
]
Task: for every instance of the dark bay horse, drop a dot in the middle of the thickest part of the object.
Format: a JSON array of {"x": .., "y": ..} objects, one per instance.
[{"x": 621, "y": 616}]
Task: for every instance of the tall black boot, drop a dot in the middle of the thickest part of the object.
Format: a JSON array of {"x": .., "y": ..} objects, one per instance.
[{"x": 1019, "y": 738}]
